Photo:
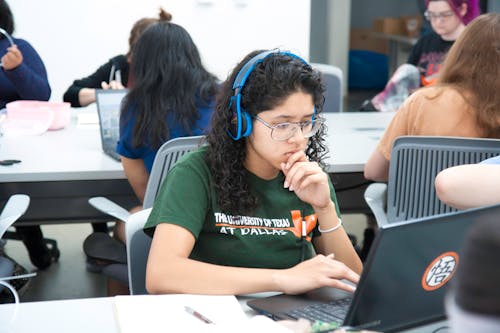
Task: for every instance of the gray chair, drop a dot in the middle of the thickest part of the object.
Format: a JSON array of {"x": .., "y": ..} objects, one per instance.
[
  {"x": 15, "y": 207},
  {"x": 415, "y": 162},
  {"x": 137, "y": 242},
  {"x": 332, "y": 77}
]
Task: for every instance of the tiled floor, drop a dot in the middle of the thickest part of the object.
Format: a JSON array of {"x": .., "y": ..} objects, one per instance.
[{"x": 68, "y": 277}]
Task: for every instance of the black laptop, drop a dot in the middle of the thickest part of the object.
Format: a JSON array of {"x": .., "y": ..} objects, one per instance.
[
  {"x": 108, "y": 108},
  {"x": 404, "y": 280}
]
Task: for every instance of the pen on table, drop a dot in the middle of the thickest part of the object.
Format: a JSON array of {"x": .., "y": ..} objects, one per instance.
[
  {"x": 118, "y": 76},
  {"x": 111, "y": 74},
  {"x": 198, "y": 315},
  {"x": 349, "y": 329}
]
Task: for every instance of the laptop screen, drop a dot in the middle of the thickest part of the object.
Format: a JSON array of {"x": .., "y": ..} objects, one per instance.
[
  {"x": 404, "y": 279},
  {"x": 406, "y": 276},
  {"x": 108, "y": 107}
]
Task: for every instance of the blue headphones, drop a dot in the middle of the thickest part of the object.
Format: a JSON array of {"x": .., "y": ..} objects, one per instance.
[{"x": 241, "y": 123}]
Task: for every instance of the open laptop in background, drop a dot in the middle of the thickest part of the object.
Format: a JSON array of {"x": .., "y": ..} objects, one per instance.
[
  {"x": 108, "y": 108},
  {"x": 404, "y": 279}
]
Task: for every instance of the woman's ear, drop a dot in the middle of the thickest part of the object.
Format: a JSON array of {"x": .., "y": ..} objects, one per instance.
[{"x": 463, "y": 9}]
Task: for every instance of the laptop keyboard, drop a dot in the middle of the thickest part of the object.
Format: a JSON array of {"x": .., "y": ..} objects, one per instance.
[{"x": 334, "y": 311}]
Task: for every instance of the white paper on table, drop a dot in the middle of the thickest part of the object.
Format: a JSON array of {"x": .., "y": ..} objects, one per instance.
[
  {"x": 87, "y": 118},
  {"x": 166, "y": 313}
]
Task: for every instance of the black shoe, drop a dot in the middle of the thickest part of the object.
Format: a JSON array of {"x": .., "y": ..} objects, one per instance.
[
  {"x": 40, "y": 254},
  {"x": 104, "y": 248},
  {"x": 367, "y": 106}
]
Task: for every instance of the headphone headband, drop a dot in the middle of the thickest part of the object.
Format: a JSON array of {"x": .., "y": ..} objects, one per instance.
[
  {"x": 243, "y": 126},
  {"x": 6, "y": 34}
]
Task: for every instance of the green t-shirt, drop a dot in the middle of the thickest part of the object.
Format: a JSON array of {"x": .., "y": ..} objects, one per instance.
[{"x": 267, "y": 239}]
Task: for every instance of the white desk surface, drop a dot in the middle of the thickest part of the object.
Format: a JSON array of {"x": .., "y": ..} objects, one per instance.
[
  {"x": 352, "y": 137},
  {"x": 74, "y": 153},
  {"x": 88, "y": 315}
]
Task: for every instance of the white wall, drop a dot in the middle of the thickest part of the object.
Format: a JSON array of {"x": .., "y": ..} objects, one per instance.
[{"x": 75, "y": 37}]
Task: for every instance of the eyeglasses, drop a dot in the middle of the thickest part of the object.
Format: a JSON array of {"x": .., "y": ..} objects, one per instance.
[
  {"x": 284, "y": 131},
  {"x": 429, "y": 16}
]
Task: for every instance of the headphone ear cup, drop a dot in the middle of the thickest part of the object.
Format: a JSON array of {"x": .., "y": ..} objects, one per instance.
[{"x": 246, "y": 124}]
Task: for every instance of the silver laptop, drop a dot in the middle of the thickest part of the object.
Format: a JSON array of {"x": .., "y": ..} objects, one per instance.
[
  {"x": 404, "y": 280},
  {"x": 108, "y": 108}
]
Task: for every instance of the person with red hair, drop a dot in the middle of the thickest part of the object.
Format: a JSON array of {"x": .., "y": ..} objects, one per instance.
[
  {"x": 448, "y": 19},
  {"x": 464, "y": 102}
]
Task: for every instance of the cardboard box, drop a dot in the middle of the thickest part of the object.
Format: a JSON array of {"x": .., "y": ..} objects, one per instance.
[
  {"x": 412, "y": 25},
  {"x": 362, "y": 39},
  {"x": 389, "y": 25}
]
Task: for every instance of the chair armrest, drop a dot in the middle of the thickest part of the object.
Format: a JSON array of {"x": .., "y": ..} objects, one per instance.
[
  {"x": 15, "y": 207},
  {"x": 109, "y": 207},
  {"x": 376, "y": 198}
]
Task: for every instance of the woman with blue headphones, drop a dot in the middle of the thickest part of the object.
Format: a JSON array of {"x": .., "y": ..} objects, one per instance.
[{"x": 254, "y": 211}]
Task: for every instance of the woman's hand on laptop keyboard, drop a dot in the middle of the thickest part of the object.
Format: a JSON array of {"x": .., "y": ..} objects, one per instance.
[{"x": 317, "y": 272}]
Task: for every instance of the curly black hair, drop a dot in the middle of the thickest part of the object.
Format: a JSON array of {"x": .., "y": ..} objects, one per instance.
[{"x": 270, "y": 83}]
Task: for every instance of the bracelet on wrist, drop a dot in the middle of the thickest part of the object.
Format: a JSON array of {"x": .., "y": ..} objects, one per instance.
[{"x": 325, "y": 231}]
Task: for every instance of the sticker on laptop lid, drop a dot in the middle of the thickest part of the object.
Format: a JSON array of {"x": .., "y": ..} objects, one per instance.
[{"x": 440, "y": 271}]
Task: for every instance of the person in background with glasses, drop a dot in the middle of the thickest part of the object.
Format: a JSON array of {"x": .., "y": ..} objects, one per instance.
[
  {"x": 22, "y": 73},
  {"x": 464, "y": 102},
  {"x": 448, "y": 19},
  {"x": 254, "y": 212}
]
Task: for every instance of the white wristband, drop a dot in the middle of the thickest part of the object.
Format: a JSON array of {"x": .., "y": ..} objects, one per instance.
[{"x": 331, "y": 229}]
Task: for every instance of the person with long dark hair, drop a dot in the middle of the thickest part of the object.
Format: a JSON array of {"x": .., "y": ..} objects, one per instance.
[
  {"x": 173, "y": 96},
  {"x": 254, "y": 210}
]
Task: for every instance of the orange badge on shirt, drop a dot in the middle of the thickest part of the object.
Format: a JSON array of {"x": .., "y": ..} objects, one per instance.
[{"x": 297, "y": 223}]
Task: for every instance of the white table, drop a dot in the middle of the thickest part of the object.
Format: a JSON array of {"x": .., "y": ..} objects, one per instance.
[
  {"x": 61, "y": 169},
  {"x": 94, "y": 315},
  {"x": 72, "y": 153},
  {"x": 352, "y": 137}
]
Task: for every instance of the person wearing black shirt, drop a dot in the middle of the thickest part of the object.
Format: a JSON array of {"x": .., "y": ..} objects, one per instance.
[
  {"x": 115, "y": 73},
  {"x": 448, "y": 19}
]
